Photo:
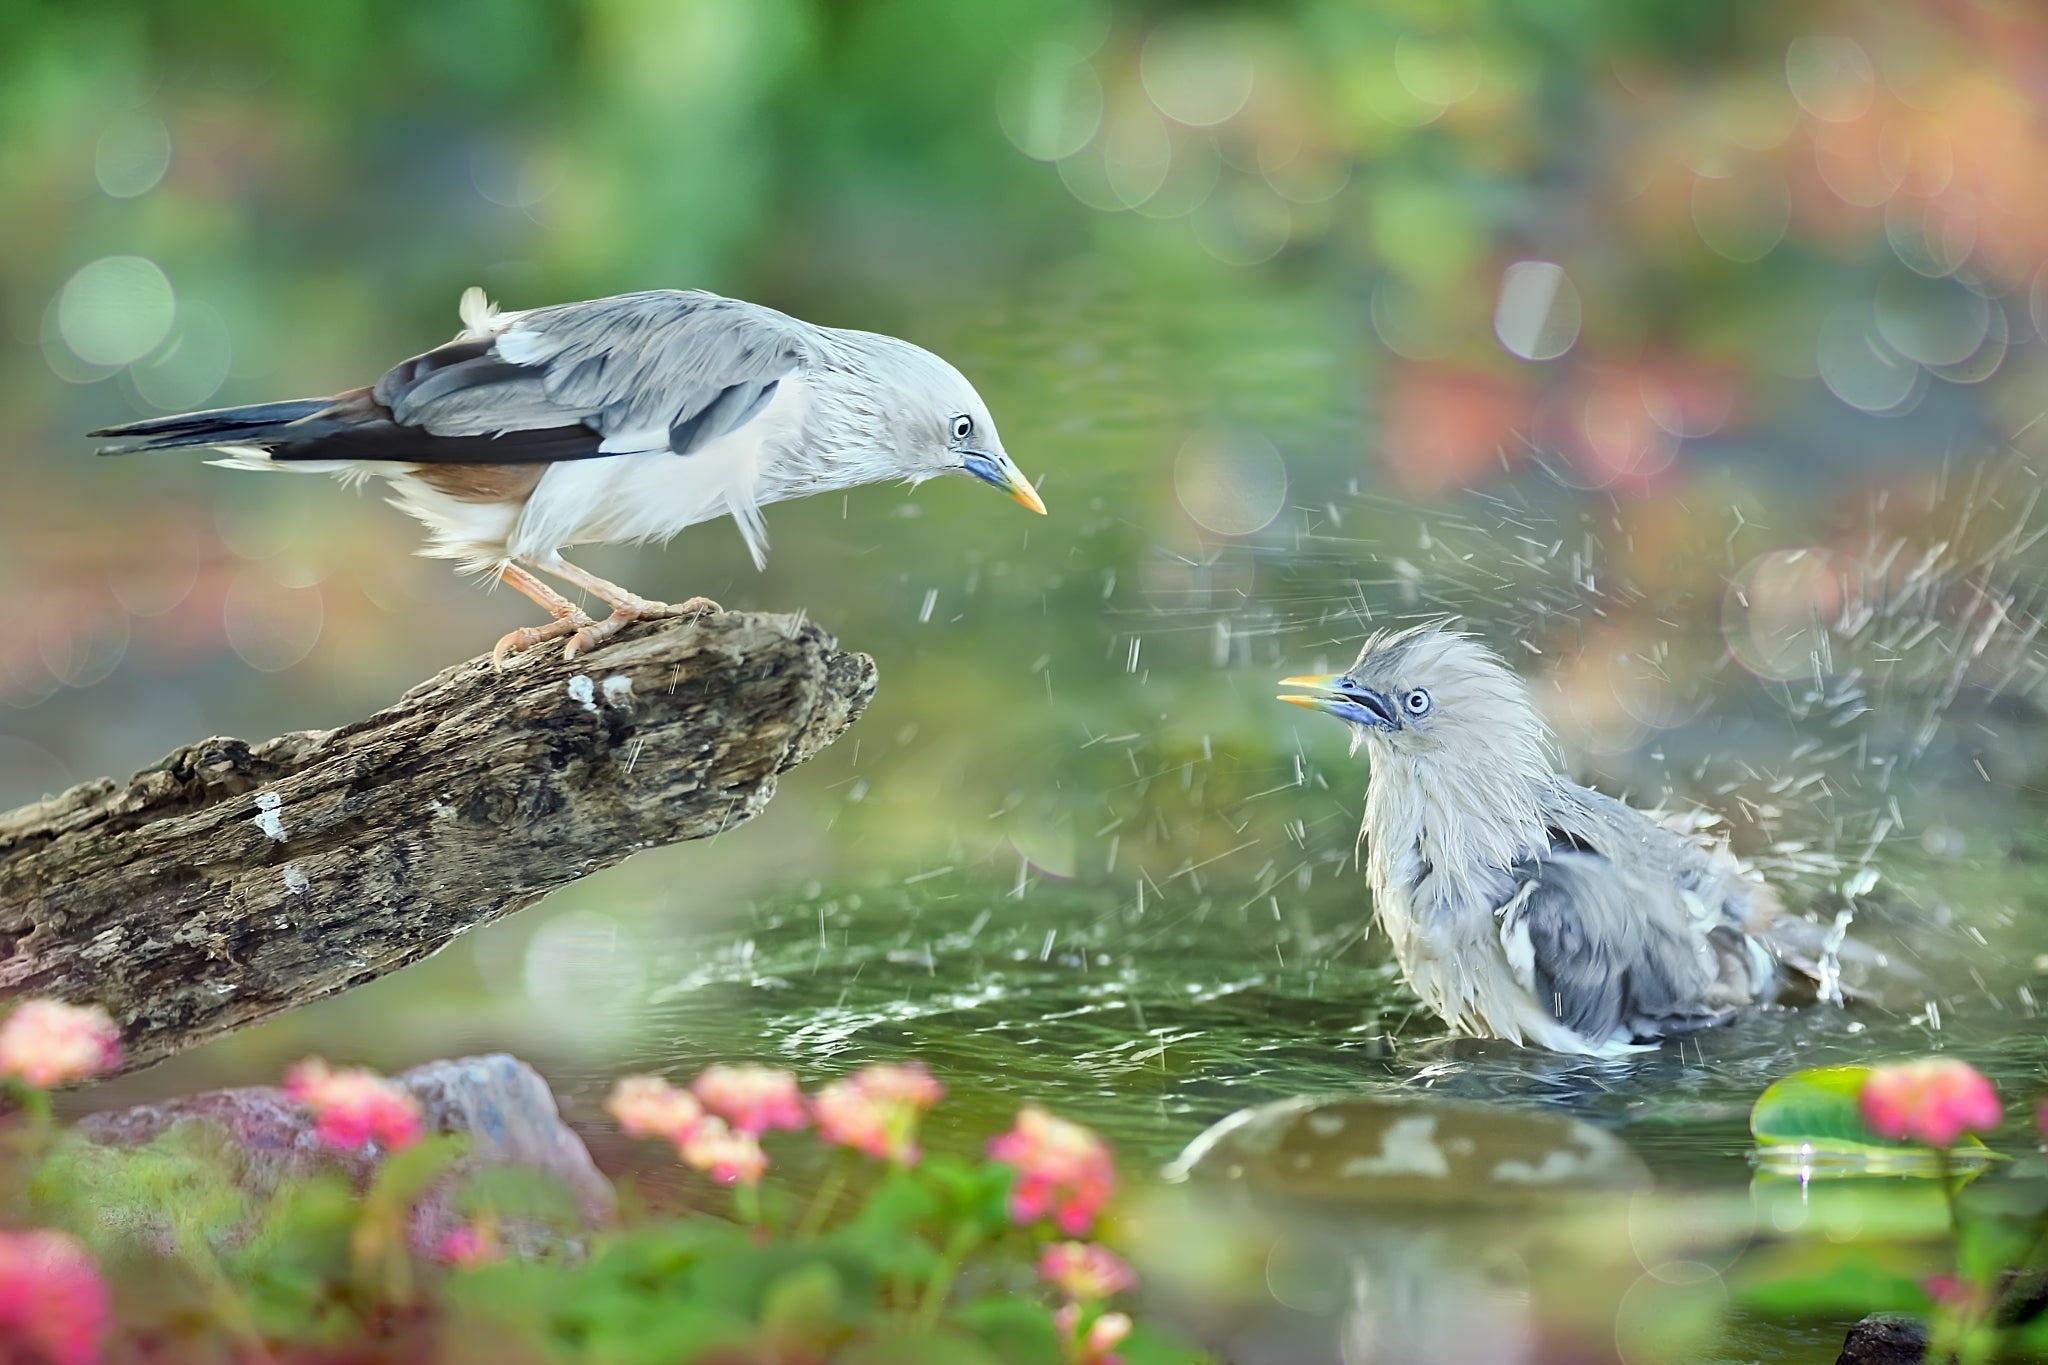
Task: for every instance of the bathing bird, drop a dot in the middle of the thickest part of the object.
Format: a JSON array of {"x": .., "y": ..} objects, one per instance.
[
  {"x": 614, "y": 420},
  {"x": 1521, "y": 905}
]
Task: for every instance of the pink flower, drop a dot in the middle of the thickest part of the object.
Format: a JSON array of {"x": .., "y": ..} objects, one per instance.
[
  {"x": 1103, "y": 1335},
  {"x": 353, "y": 1107},
  {"x": 1948, "y": 1290},
  {"x": 876, "y": 1110},
  {"x": 1064, "y": 1171},
  {"x": 1085, "y": 1272},
  {"x": 752, "y": 1099},
  {"x": 728, "y": 1156},
  {"x": 648, "y": 1106},
  {"x": 1932, "y": 1102},
  {"x": 47, "y": 1042},
  {"x": 52, "y": 1299},
  {"x": 469, "y": 1245}
]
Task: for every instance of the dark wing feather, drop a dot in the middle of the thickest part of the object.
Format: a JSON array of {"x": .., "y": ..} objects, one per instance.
[
  {"x": 1611, "y": 952},
  {"x": 666, "y": 368}
]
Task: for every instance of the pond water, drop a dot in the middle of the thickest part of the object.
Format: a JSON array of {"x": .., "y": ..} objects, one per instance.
[{"x": 1103, "y": 870}]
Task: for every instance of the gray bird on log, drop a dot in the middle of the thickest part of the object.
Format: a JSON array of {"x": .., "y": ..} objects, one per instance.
[
  {"x": 623, "y": 419},
  {"x": 1524, "y": 906}
]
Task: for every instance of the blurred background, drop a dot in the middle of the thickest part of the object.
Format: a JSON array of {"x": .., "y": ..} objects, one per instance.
[{"x": 1691, "y": 351}]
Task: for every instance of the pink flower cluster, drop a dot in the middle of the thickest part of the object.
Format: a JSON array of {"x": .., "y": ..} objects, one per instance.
[
  {"x": 876, "y": 1110},
  {"x": 1098, "y": 1345},
  {"x": 716, "y": 1125},
  {"x": 648, "y": 1106},
  {"x": 752, "y": 1099},
  {"x": 1085, "y": 1272},
  {"x": 47, "y": 1042},
  {"x": 1932, "y": 1102},
  {"x": 1064, "y": 1171},
  {"x": 52, "y": 1300},
  {"x": 353, "y": 1107},
  {"x": 469, "y": 1245}
]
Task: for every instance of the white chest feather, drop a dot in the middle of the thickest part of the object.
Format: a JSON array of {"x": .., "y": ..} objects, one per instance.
[{"x": 651, "y": 495}]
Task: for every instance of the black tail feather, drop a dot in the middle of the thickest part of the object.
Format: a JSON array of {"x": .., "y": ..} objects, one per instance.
[
  {"x": 352, "y": 426},
  {"x": 220, "y": 426}
]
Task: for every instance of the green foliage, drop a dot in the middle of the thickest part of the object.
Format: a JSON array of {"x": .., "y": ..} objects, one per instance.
[
  {"x": 1875, "y": 1225},
  {"x": 1810, "y": 1120}
]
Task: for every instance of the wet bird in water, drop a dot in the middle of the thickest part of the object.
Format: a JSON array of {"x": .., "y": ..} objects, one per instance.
[
  {"x": 1521, "y": 905},
  {"x": 617, "y": 420}
]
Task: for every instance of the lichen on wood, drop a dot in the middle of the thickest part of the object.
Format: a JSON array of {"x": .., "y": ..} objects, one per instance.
[{"x": 231, "y": 882}]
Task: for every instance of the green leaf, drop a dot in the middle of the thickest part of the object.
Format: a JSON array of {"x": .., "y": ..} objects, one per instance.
[
  {"x": 1851, "y": 1207},
  {"x": 1822, "y": 1277},
  {"x": 801, "y": 1309},
  {"x": 519, "y": 1192},
  {"x": 1019, "y": 1331},
  {"x": 1809, "y": 1124},
  {"x": 899, "y": 1346},
  {"x": 405, "y": 1176},
  {"x": 1147, "y": 1347}
]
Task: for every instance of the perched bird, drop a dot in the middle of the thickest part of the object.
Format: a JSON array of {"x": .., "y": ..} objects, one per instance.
[
  {"x": 1522, "y": 905},
  {"x": 623, "y": 419}
]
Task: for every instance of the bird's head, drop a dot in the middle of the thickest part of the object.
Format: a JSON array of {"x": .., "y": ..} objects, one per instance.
[
  {"x": 1432, "y": 692},
  {"x": 941, "y": 426}
]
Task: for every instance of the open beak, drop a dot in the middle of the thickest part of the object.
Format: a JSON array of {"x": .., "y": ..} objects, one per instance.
[
  {"x": 1336, "y": 695},
  {"x": 998, "y": 472}
]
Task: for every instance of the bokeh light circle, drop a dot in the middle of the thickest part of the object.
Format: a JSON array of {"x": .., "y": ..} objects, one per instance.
[
  {"x": 1776, "y": 611},
  {"x": 1538, "y": 313},
  {"x": 132, "y": 155},
  {"x": 1832, "y": 78},
  {"x": 192, "y": 365},
  {"x": 1232, "y": 484},
  {"x": 1742, "y": 216},
  {"x": 1191, "y": 176},
  {"x": 1137, "y": 151},
  {"x": 1244, "y": 223},
  {"x": 1049, "y": 104},
  {"x": 1859, "y": 367},
  {"x": 1197, "y": 72},
  {"x": 271, "y": 626},
  {"x": 1669, "y": 1314},
  {"x": 1931, "y": 321},
  {"x": 116, "y": 310},
  {"x": 1436, "y": 70}
]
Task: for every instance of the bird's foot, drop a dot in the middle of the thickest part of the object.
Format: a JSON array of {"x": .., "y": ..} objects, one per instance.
[
  {"x": 528, "y": 636},
  {"x": 595, "y": 633}
]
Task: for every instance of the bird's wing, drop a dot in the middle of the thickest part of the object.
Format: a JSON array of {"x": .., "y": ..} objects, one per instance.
[
  {"x": 1677, "y": 844},
  {"x": 1605, "y": 951},
  {"x": 662, "y": 370}
]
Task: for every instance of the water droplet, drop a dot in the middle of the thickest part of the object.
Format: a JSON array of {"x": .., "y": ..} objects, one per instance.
[{"x": 1538, "y": 314}]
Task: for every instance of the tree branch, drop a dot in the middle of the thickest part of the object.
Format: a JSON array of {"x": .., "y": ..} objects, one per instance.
[{"x": 233, "y": 882}]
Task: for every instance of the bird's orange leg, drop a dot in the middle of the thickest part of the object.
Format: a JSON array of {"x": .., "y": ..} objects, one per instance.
[
  {"x": 627, "y": 607},
  {"x": 569, "y": 618}
]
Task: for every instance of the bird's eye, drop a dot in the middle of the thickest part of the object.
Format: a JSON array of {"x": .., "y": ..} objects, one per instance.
[
  {"x": 963, "y": 427},
  {"x": 1417, "y": 702}
]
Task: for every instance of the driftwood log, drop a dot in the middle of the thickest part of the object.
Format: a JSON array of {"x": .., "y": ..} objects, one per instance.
[{"x": 232, "y": 882}]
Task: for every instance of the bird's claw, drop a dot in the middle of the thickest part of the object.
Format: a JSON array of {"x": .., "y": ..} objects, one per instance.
[
  {"x": 526, "y": 637},
  {"x": 595, "y": 633}
]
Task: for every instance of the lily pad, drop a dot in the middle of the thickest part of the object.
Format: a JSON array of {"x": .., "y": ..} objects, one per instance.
[{"x": 1808, "y": 1124}]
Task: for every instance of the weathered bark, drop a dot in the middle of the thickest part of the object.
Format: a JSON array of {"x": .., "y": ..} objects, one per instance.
[{"x": 232, "y": 882}]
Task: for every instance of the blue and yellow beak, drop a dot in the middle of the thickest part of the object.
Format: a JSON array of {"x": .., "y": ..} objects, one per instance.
[
  {"x": 1334, "y": 694},
  {"x": 998, "y": 471}
]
